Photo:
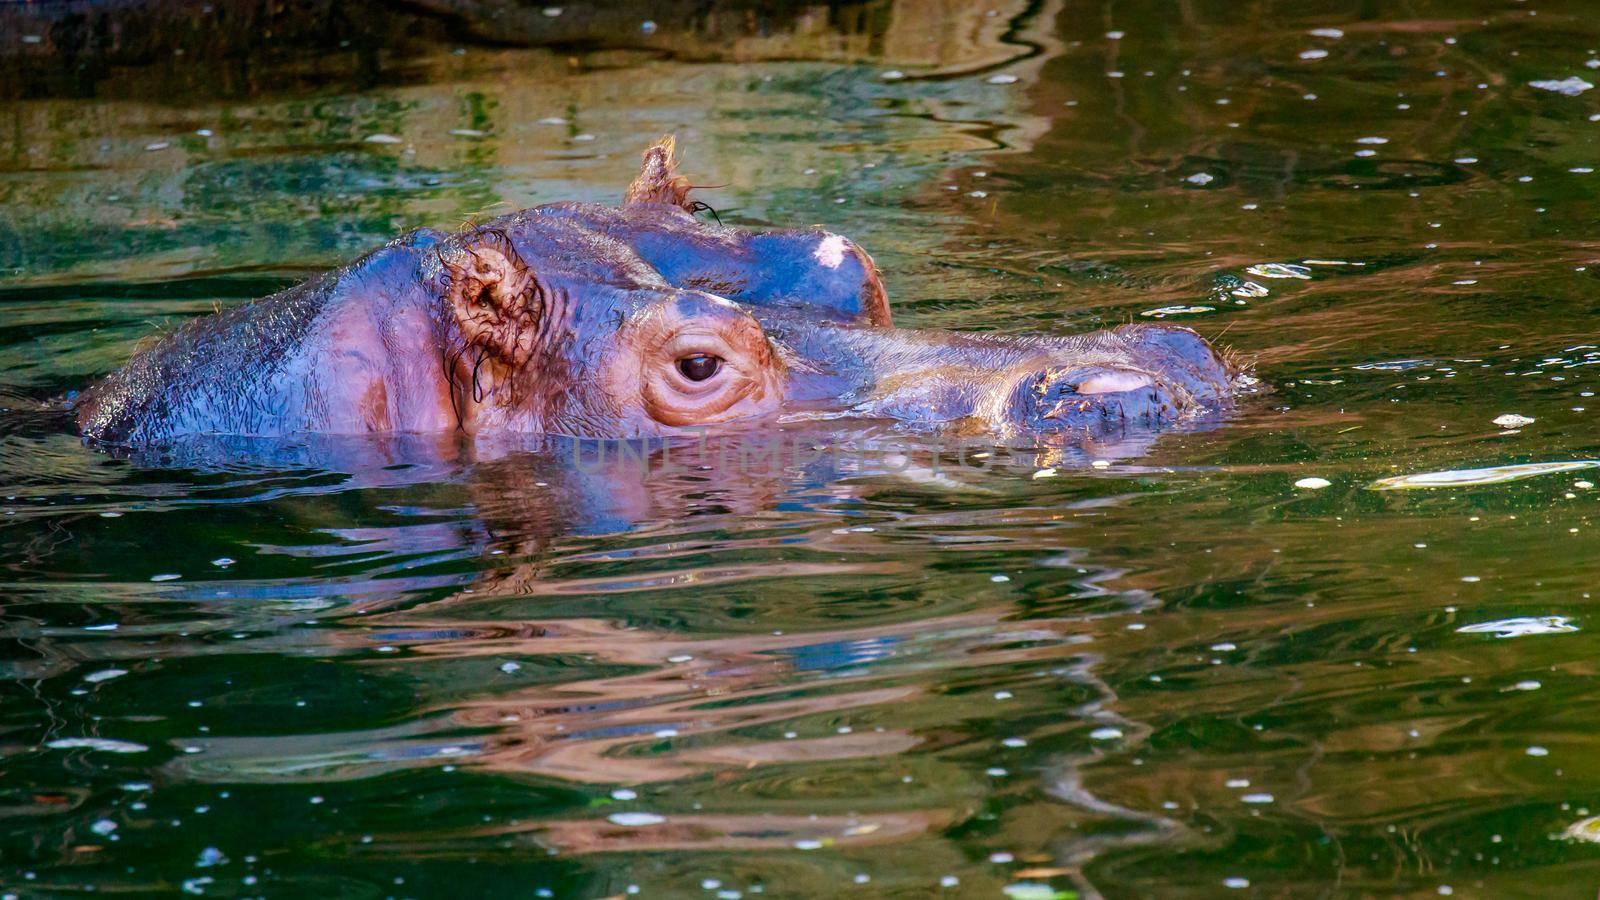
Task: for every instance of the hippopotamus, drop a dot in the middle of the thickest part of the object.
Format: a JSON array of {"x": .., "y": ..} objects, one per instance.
[{"x": 639, "y": 320}]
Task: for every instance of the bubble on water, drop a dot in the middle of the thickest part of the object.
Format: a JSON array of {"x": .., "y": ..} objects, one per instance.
[
  {"x": 1466, "y": 160},
  {"x": 210, "y": 856},
  {"x": 1372, "y": 140},
  {"x": 1105, "y": 734},
  {"x": 996, "y": 772},
  {"x": 1327, "y": 33},
  {"x": 1001, "y": 857},
  {"x": 1581, "y": 170},
  {"x": 1014, "y": 742},
  {"x": 1279, "y": 270},
  {"x": 1537, "y": 750},
  {"x": 1115, "y": 35},
  {"x": 1236, "y": 882},
  {"x": 1512, "y": 420},
  {"x": 1313, "y": 54},
  {"x": 1003, "y": 78},
  {"x": 103, "y": 827},
  {"x": 1257, "y": 798},
  {"x": 1529, "y": 685},
  {"x": 106, "y": 745},
  {"x": 1366, "y": 153},
  {"x": 1521, "y": 626},
  {"x": 1313, "y": 483},
  {"x": 808, "y": 844},
  {"x": 949, "y": 881},
  {"x": 1238, "y": 782},
  {"x": 1454, "y": 478},
  {"x": 635, "y": 819},
  {"x": 1567, "y": 87},
  {"x": 1200, "y": 178}
]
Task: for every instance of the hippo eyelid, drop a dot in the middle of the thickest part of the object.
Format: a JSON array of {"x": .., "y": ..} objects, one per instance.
[{"x": 1113, "y": 382}]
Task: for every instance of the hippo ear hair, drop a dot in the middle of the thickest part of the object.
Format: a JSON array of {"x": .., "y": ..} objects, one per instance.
[
  {"x": 497, "y": 299},
  {"x": 659, "y": 181}
]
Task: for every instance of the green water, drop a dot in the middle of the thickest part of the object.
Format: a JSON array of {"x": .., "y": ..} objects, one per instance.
[{"x": 494, "y": 674}]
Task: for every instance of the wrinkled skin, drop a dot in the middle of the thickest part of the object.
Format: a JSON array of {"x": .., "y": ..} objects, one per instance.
[{"x": 630, "y": 321}]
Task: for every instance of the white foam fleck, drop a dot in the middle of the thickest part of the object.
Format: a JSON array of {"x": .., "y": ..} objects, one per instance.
[
  {"x": 1512, "y": 420},
  {"x": 1327, "y": 33},
  {"x": 1313, "y": 483},
  {"x": 1313, "y": 54},
  {"x": 104, "y": 675},
  {"x": 382, "y": 139},
  {"x": 1105, "y": 734},
  {"x": 1567, "y": 87},
  {"x": 635, "y": 819}
]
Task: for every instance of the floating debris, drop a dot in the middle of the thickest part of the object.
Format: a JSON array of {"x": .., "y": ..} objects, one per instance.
[
  {"x": 1583, "y": 830},
  {"x": 1512, "y": 420},
  {"x": 1165, "y": 311},
  {"x": 1279, "y": 270},
  {"x": 1566, "y": 87},
  {"x": 106, "y": 744},
  {"x": 1313, "y": 483},
  {"x": 1452, "y": 478},
  {"x": 1521, "y": 626},
  {"x": 1250, "y": 290}
]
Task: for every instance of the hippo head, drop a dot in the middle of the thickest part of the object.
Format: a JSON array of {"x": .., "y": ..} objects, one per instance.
[{"x": 641, "y": 320}]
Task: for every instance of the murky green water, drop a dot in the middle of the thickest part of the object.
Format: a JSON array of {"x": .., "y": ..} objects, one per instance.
[{"x": 1177, "y": 675}]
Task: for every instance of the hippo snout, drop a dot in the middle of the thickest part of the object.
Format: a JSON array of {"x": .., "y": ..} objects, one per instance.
[{"x": 1144, "y": 376}]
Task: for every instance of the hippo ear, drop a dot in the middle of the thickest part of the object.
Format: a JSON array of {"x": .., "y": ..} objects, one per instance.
[
  {"x": 659, "y": 181},
  {"x": 497, "y": 300}
]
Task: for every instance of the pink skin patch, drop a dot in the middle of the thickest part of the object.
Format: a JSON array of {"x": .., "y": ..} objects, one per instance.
[
  {"x": 1113, "y": 383},
  {"x": 830, "y": 252}
]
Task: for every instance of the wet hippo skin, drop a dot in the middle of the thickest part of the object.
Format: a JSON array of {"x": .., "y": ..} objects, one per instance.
[{"x": 637, "y": 320}]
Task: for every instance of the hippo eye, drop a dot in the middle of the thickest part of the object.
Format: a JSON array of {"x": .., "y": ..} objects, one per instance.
[{"x": 699, "y": 367}]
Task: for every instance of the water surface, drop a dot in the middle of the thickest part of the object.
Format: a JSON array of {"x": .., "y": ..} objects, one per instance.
[{"x": 386, "y": 668}]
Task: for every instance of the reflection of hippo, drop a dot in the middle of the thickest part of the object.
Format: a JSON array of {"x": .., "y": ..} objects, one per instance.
[{"x": 628, "y": 321}]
